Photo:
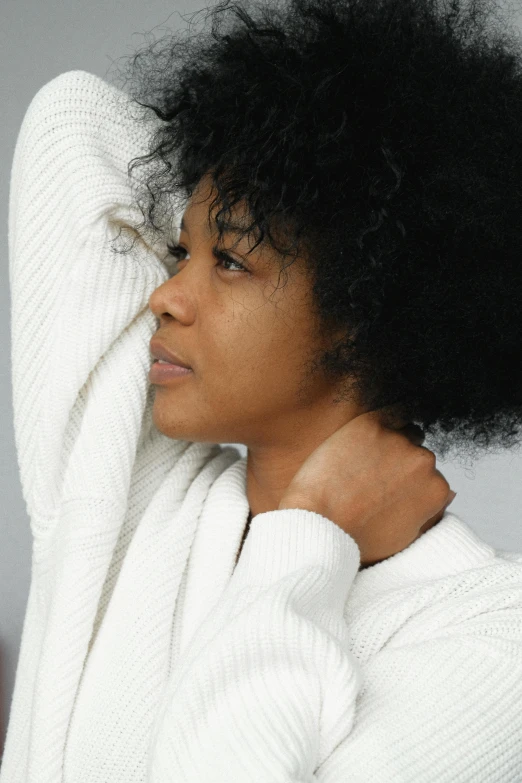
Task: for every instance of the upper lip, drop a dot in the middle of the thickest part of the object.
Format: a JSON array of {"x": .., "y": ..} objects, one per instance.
[{"x": 159, "y": 351}]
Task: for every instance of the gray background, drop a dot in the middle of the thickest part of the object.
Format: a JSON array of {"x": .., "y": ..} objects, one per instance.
[{"x": 38, "y": 41}]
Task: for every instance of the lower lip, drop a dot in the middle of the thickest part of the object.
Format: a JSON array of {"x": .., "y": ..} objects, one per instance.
[{"x": 164, "y": 372}]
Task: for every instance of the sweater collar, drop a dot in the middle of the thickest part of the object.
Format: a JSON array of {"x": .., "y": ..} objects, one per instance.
[{"x": 451, "y": 546}]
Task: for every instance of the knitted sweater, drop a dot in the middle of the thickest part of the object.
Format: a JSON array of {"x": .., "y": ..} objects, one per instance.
[{"x": 147, "y": 655}]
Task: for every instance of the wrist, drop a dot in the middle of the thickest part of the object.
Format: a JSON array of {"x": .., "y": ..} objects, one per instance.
[{"x": 295, "y": 500}]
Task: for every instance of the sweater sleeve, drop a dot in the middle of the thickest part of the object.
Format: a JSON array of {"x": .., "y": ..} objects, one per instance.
[
  {"x": 269, "y": 689},
  {"x": 80, "y": 322}
]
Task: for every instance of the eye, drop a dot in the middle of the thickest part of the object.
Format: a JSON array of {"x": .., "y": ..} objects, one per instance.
[{"x": 178, "y": 250}]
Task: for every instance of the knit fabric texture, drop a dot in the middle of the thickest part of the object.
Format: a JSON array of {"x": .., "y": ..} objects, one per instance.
[{"x": 147, "y": 655}]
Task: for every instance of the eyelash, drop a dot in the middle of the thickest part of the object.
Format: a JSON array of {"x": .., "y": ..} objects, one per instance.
[{"x": 176, "y": 250}]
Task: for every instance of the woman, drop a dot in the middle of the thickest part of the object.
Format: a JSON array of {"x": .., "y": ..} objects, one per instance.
[{"x": 365, "y": 155}]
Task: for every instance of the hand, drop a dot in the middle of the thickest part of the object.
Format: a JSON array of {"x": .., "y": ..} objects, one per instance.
[{"x": 375, "y": 482}]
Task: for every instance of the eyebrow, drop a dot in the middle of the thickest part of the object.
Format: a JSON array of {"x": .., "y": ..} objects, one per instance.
[{"x": 232, "y": 228}]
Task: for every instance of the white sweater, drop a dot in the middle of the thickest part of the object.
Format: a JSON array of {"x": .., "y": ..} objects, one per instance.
[{"x": 146, "y": 656}]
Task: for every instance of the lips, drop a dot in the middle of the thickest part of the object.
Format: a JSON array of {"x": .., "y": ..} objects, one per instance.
[{"x": 160, "y": 351}]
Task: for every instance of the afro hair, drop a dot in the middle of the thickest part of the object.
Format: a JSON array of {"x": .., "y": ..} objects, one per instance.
[{"x": 379, "y": 142}]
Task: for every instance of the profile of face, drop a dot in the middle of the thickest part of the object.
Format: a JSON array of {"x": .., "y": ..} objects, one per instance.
[{"x": 248, "y": 335}]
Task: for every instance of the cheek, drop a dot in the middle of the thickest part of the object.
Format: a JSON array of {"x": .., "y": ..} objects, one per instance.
[
  {"x": 248, "y": 377},
  {"x": 258, "y": 346},
  {"x": 256, "y": 360}
]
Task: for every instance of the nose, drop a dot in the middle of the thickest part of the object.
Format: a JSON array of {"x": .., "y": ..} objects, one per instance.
[{"x": 168, "y": 302}]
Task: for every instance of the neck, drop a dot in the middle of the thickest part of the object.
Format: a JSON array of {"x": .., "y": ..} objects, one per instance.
[{"x": 270, "y": 469}]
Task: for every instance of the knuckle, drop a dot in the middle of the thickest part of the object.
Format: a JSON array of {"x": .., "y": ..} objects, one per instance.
[
  {"x": 428, "y": 455},
  {"x": 442, "y": 486}
]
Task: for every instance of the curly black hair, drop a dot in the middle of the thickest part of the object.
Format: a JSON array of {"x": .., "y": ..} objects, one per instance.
[{"x": 380, "y": 142}]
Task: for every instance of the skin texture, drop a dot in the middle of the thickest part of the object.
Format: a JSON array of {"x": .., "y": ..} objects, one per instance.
[
  {"x": 250, "y": 345},
  {"x": 375, "y": 483}
]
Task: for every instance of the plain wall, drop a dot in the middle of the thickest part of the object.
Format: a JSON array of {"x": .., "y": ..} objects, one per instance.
[{"x": 38, "y": 42}]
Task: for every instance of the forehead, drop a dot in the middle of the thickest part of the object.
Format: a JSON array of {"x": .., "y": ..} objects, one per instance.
[{"x": 198, "y": 210}]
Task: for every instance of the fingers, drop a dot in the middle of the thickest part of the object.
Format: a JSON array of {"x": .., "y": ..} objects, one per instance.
[
  {"x": 450, "y": 494},
  {"x": 414, "y": 433},
  {"x": 433, "y": 520}
]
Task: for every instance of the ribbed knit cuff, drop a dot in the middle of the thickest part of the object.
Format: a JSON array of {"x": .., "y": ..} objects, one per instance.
[{"x": 280, "y": 542}]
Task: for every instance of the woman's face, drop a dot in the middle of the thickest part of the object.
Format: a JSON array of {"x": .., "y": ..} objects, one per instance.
[{"x": 248, "y": 342}]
